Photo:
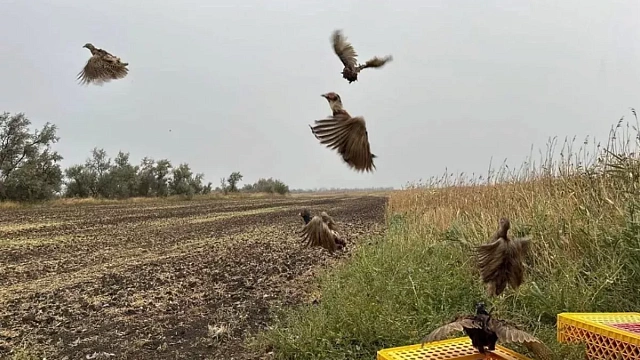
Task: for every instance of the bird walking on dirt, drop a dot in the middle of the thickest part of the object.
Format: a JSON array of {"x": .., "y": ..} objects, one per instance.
[
  {"x": 348, "y": 135},
  {"x": 500, "y": 261},
  {"x": 347, "y": 56},
  {"x": 102, "y": 67},
  {"x": 485, "y": 331},
  {"x": 321, "y": 230}
]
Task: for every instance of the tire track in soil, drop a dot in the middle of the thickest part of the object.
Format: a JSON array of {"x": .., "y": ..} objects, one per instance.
[{"x": 157, "y": 302}]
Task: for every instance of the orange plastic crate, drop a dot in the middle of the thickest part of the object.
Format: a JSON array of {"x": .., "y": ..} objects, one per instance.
[
  {"x": 605, "y": 335},
  {"x": 458, "y": 348}
]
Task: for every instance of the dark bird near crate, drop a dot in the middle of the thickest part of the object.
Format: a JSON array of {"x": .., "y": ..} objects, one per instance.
[
  {"x": 348, "y": 135},
  {"x": 347, "y": 56},
  {"x": 102, "y": 67},
  {"x": 485, "y": 331},
  {"x": 321, "y": 230},
  {"x": 501, "y": 260}
]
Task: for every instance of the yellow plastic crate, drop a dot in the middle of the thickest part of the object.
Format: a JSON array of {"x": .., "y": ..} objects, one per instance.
[
  {"x": 458, "y": 348},
  {"x": 605, "y": 335}
]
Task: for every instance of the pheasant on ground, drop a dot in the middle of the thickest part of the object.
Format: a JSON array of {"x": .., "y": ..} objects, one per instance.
[
  {"x": 102, "y": 67},
  {"x": 347, "y": 56},
  {"x": 348, "y": 135},
  {"x": 500, "y": 261},
  {"x": 321, "y": 230},
  {"x": 485, "y": 331}
]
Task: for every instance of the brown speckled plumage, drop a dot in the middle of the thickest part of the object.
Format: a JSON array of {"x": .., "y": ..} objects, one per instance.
[
  {"x": 500, "y": 261},
  {"x": 321, "y": 230},
  {"x": 348, "y": 135},
  {"x": 102, "y": 67},
  {"x": 347, "y": 55}
]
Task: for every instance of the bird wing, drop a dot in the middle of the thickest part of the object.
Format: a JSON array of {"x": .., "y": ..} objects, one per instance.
[
  {"x": 523, "y": 243},
  {"x": 101, "y": 52},
  {"x": 348, "y": 135},
  {"x": 317, "y": 233},
  {"x": 328, "y": 220},
  {"x": 376, "y": 62},
  {"x": 508, "y": 332},
  {"x": 499, "y": 264},
  {"x": 489, "y": 257},
  {"x": 113, "y": 59},
  {"x": 107, "y": 56},
  {"x": 99, "y": 70},
  {"x": 344, "y": 49},
  {"x": 458, "y": 324}
]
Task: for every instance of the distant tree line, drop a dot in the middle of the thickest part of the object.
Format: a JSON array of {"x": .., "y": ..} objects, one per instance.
[
  {"x": 102, "y": 177},
  {"x": 334, "y": 189},
  {"x": 30, "y": 171}
]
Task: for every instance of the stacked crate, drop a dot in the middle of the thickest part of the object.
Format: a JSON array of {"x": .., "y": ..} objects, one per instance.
[
  {"x": 605, "y": 335},
  {"x": 453, "y": 349}
]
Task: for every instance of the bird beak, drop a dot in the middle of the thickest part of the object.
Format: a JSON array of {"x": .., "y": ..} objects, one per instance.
[{"x": 324, "y": 95}]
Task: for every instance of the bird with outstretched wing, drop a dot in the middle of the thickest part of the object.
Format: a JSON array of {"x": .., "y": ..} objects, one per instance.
[
  {"x": 485, "y": 331},
  {"x": 321, "y": 230},
  {"x": 101, "y": 67},
  {"x": 348, "y": 135},
  {"x": 501, "y": 260},
  {"x": 347, "y": 55}
]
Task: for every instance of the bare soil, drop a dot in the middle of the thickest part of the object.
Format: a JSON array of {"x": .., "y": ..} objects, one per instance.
[{"x": 161, "y": 279}]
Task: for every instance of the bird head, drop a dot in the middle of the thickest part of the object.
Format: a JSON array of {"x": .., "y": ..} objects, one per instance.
[
  {"x": 89, "y": 46},
  {"x": 480, "y": 308},
  {"x": 306, "y": 215},
  {"x": 504, "y": 223},
  {"x": 503, "y": 228},
  {"x": 334, "y": 101},
  {"x": 332, "y": 97}
]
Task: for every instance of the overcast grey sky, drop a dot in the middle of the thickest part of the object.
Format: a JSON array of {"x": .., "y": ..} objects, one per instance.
[{"x": 238, "y": 82}]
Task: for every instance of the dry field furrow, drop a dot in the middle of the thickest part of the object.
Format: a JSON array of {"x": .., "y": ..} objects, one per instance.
[
  {"x": 45, "y": 221},
  {"x": 160, "y": 280}
]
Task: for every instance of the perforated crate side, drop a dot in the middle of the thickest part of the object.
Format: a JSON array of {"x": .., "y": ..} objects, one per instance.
[
  {"x": 605, "y": 335},
  {"x": 452, "y": 349}
]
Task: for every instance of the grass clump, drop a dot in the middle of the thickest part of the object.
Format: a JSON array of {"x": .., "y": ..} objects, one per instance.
[{"x": 582, "y": 211}]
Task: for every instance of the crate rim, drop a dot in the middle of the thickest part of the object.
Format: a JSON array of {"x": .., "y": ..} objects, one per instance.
[
  {"x": 581, "y": 319},
  {"x": 500, "y": 350}
]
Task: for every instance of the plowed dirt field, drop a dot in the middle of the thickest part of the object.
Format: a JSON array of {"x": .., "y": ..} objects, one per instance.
[{"x": 161, "y": 279}]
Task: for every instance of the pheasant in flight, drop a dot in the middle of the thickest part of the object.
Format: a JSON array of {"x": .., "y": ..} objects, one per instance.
[
  {"x": 348, "y": 135},
  {"x": 102, "y": 67},
  {"x": 348, "y": 55},
  {"x": 321, "y": 230},
  {"x": 500, "y": 261}
]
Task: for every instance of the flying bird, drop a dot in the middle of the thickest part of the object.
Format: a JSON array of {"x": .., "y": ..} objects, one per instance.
[
  {"x": 500, "y": 261},
  {"x": 348, "y": 55},
  {"x": 485, "y": 331},
  {"x": 348, "y": 135},
  {"x": 321, "y": 230},
  {"x": 102, "y": 67}
]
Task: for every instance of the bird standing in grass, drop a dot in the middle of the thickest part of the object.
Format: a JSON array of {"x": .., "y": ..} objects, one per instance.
[
  {"x": 485, "y": 331},
  {"x": 321, "y": 230},
  {"x": 347, "y": 56},
  {"x": 348, "y": 135},
  {"x": 102, "y": 67},
  {"x": 500, "y": 261}
]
